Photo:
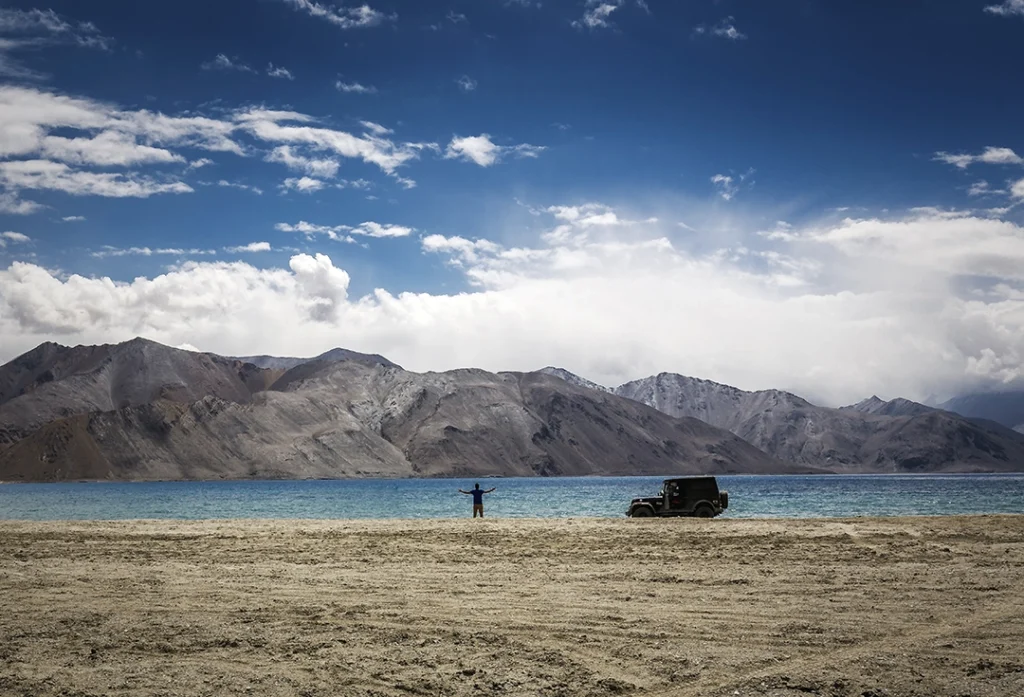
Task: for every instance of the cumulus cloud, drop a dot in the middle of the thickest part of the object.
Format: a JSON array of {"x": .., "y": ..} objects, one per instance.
[
  {"x": 483, "y": 151},
  {"x": 466, "y": 83},
  {"x": 877, "y": 309},
  {"x": 990, "y": 156},
  {"x": 343, "y": 17},
  {"x": 73, "y": 218},
  {"x": 304, "y": 185},
  {"x": 251, "y": 247},
  {"x": 927, "y": 302}
]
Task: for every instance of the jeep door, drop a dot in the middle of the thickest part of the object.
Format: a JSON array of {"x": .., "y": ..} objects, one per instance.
[{"x": 673, "y": 497}]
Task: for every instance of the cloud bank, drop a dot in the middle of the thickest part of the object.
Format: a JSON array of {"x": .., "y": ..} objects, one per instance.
[{"x": 928, "y": 303}]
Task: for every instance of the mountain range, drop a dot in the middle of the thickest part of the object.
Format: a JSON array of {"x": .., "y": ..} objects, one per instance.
[
  {"x": 140, "y": 410},
  {"x": 143, "y": 411}
]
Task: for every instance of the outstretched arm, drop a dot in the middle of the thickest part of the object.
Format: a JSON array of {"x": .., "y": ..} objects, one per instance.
[
  {"x": 490, "y": 490},
  {"x": 463, "y": 492}
]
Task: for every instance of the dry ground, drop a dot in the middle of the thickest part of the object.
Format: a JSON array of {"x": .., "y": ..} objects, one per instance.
[{"x": 564, "y": 608}]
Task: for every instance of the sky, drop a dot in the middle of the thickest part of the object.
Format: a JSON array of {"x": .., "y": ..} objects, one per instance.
[{"x": 810, "y": 195}]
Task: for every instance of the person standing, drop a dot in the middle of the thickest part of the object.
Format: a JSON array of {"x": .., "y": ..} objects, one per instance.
[{"x": 478, "y": 498}]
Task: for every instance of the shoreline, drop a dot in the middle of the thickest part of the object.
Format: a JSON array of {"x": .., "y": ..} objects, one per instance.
[
  {"x": 579, "y": 607},
  {"x": 817, "y": 473},
  {"x": 527, "y": 520}
]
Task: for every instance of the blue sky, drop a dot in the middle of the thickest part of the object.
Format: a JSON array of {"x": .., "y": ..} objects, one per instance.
[{"x": 502, "y": 158}]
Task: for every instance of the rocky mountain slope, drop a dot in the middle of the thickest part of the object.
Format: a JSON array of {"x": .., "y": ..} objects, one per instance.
[
  {"x": 1006, "y": 408},
  {"x": 352, "y": 418},
  {"x": 54, "y": 381},
  {"x": 871, "y": 436},
  {"x": 335, "y": 354},
  {"x": 894, "y": 407}
]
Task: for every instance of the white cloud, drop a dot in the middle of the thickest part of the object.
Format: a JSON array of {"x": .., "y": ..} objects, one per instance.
[
  {"x": 725, "y": 29},
  {"x": 200, "y": 163},
  {"x": 224, "y": 183},
  {"x": 362, "y": 184},
  {"x": 1007, "y": 8},
  {"x": 326, "y": 168},
  {"x": 456, "y": 17},
  {"x": 355, "y": 87},
  {"x": 11, "y": 204},
  {"x": 596, "y": 14},
  {"x": 11, "y": 236},
  {"x": 484, "y": 152},
  {"x": 222, "y": 62},
  {"x": 726, "y": 188},
  {"x": 466, "y": 83},
  {"x": 338, "y": 233},
  {"x": 375, "y": 128},
  {"x": 305, "y": 185},
  {"x": 251, "y": 247},
  {"x": 343, "y": 17},
  {"x": 837, "y": 311},
  {"x": 73, "y": 218},
  {"x": 371, "y": 229},
  {"x": 991, "y": 156},
  {"x": 729, "y": 185},
  {"x": 33, "y": 29},
  {"x": 343, "y": 232},
  {"x": 279, "y": 72},
  {"x": 108, "y": 251},
  {"x": 952, "y": 243},
  {"x": 55, "y": 176},
  {"x": 1017, "y": 189},
  {"x": 45, "y": 128},
  {"x": 106, "y": 149}
]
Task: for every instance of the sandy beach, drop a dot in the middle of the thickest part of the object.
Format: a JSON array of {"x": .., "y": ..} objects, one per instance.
[{"x": 557, "y": 608}]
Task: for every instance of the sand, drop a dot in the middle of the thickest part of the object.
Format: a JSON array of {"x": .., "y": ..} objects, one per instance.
[{"x": 562, "y": 608}]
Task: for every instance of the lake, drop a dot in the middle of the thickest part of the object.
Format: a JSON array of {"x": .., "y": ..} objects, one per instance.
[{"x": 750, "y": 496}]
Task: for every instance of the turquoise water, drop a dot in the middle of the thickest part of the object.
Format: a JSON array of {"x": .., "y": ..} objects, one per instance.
[{"x": 749, "y": 497}]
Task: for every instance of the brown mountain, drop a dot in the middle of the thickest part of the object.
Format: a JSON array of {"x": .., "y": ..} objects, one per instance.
[
  {"x": 871, "y": 436},
  {"x": 346, "y": 418},
  {"x": 54, "y": 381}
]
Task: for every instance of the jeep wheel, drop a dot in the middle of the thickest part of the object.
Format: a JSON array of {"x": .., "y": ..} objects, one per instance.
[
  {"x": 641, "y": 512},
  {"x": 704, "y": 511}
]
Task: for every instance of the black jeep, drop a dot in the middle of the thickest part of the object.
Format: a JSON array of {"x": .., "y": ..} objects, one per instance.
[{"x": 683, "y": 496}]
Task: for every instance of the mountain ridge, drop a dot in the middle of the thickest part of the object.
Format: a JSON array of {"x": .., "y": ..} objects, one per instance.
[
  {"x": 870, "y": 436},
  {"x": 336, "y": 419}
]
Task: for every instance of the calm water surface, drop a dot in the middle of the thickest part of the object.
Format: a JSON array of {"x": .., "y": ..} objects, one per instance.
[{"x": 749, "y": 497}]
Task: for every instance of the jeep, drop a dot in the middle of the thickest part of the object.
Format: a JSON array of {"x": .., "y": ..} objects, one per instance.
[{"x": 682, "y": 496}]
